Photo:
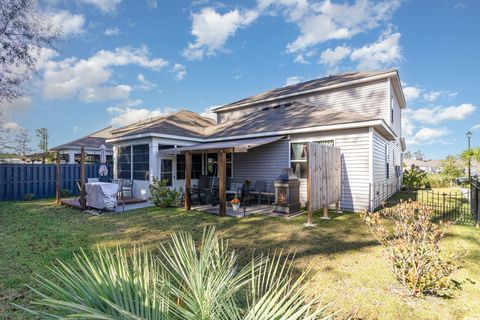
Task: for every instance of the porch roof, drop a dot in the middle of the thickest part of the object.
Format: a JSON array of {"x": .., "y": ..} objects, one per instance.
[{"x": 241, "y": 145}]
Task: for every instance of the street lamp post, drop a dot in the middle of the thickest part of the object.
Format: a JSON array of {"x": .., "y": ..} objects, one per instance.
[{"x": 469, "y": 136}]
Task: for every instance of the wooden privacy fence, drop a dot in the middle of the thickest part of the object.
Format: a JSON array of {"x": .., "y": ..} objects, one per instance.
[
  {"x": 18, "y": 180},
  {"x": 324, "y": 177}
]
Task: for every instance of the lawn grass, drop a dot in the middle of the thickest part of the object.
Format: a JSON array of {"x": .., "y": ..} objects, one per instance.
[{"x": 351, "y": 266}]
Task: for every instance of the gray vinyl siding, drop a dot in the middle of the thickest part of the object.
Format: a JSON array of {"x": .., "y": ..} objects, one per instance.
[
  {"x": 266, "y": 163},
  {"x": 355, "y": 148},
  {"x": 382, "y": 187},
  {"x": 397, "y": 116},
  {"x": 262, "y": 163},
  {"x": 365, "y": 99}
]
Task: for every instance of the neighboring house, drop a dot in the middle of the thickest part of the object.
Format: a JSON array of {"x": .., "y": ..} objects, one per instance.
[
  {"x": 358, "y": 112},
  {"x": 70, "y": 151},
  {"x": 430, "y": 166}
]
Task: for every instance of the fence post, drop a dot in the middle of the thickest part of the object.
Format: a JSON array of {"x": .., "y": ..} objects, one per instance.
[
  {"x": 57, "y": 178},
  {"x": 477, "y": 202}
]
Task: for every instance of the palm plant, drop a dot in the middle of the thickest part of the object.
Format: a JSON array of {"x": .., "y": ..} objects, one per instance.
[{"x": 184, "y": 282}]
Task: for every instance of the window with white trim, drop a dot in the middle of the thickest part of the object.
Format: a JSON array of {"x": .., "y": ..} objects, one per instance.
[
  {"x": 298, "y": 157},
  {"x": 133, "y": 162}
]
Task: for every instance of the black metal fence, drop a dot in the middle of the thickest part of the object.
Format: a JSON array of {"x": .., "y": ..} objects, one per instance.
[
  {"x": 19, "y": 181},
  {"x": 447, "y": 206},
  {"x": 475, "y": 199}
]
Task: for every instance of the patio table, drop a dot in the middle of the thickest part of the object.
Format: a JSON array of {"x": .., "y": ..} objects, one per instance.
[{"x": 101, "y": 195}]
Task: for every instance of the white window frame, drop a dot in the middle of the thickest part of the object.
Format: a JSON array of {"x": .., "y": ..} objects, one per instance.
[{"x": 305, "y": 141}]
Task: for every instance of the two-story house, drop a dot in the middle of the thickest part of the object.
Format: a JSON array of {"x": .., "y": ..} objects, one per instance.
[{"x": 358, "y": 112}]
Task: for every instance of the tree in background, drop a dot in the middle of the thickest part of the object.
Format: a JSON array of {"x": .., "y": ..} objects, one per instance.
[
  {"x": 22, "y": 142},
  {"x": 24, "y": 32},
  {"x": 4, "y": 134},
  {"x": 42, "y": 134},
  {"x": 473, "y": 153},
  {"x": 451, "y": 168},
  {"x": 407, "y": 155},
  {"x": 418, "y": 155}
]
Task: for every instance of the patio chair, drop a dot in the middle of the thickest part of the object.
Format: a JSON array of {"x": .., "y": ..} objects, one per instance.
[
  {"x": 92, "y": 180},
  {"x": 260, "y": 186},
  {"x": 127, "y": 186},
  {"x": 269, "y": 193},
  {"x": 235, "y": 189},
  {"x": 119, "y": 182}
]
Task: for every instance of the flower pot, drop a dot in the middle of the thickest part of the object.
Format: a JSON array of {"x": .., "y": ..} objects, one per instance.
[{"x": 235, "y": 206}]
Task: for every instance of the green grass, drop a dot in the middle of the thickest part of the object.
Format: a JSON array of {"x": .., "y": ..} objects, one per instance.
[{"x": 352, "y": 268}]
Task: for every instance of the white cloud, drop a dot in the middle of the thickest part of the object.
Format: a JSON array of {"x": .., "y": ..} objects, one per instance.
[
  {"x": 300, "y": 59},
  {"x": 152, "y": 4},
  {"x": 412, "y": 93},
  {"x": 212, "y": 30},
  {"x": 16, "y": 106},
  {"x": 114, "y": 31},
  {"x": 12, "y": 125},
  {"x": 385, "y": 52},
  {"x": 439, "y": 114},
  {"x": 330, "y": 21},
  {"x": 293, "y": 80},
  {"x": 144, "y": 83},
  {"x": 429, "y": 135},
  {"x": 432, "y": 96},
  {"x": 208, "y": 112},
  {"x": 98, "y": 94},
  {"x": 125, "y": 115},
  {"x": 180, "y": 71},
  {"x": 331, "y": 58},
  {"x": 69, "y": 24},
  {"x": 104, "y": 5},
  {"x": 476, "y": 127},
  {"x": 87, "y": 78}
]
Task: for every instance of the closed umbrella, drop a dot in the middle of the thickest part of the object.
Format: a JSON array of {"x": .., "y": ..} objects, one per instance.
[{"x": 103, "y": 170}]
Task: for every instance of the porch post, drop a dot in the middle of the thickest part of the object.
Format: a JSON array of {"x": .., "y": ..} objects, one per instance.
[
  {"x": 57, "y": 177},
  {"x": 188, "y": 179},
  {"x": 222, "y": 177},
  {"x": 83, "y": 200}
]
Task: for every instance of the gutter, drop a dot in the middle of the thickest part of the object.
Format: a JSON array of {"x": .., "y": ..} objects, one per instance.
[{"x": 351, "y": 125}]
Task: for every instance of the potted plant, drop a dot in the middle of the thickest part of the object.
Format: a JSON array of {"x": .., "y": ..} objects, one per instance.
[
  {"x": 247, "y": 182},
  {"x": 235, "y": 202}
]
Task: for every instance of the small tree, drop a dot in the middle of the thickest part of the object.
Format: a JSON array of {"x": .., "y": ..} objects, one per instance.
[
  {"x": 451, "y": 168},
  {"x": 22, "y": 142},
  {"x": 42, "y": 134},
  {"x": 418, "y": 155},
  {"x": 413, "y": 250},
  {"x": 414, "y": 178},
  {"x": 161, "y": 195},
  {"x": 407, "y": 155}
]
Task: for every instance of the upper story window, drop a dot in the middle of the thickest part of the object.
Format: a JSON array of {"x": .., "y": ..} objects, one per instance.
[
  {"x": 391, "y": 108},
  {"x": 298, "y": 157}
]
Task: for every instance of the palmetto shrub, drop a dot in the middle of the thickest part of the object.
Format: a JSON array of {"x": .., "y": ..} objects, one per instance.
[
  {"x": 183, "y": 282},
  {"x": 412, "y": 248}
]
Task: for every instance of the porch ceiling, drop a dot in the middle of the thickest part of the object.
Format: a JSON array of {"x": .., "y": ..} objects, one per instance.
[{"x": 228, "y": 146}]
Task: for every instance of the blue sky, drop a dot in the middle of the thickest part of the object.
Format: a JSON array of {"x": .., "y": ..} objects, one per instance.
[{"x": 120, "y": 61}]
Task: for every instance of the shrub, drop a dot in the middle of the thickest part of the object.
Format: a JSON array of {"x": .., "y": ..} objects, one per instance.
[
  {"x": 412, "y": 248},
  {"x": 185, "y": 282},
  {"x": 64, "y": 193},
  {"x": 161, "y": 195},
  {"x": 438, "y": 181},
  {"x": 28, "y": 197},
  {"x": 414, "y": 178}
]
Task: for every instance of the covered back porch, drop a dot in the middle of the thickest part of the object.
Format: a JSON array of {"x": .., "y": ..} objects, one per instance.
[{"x": 213, "y": 193}]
